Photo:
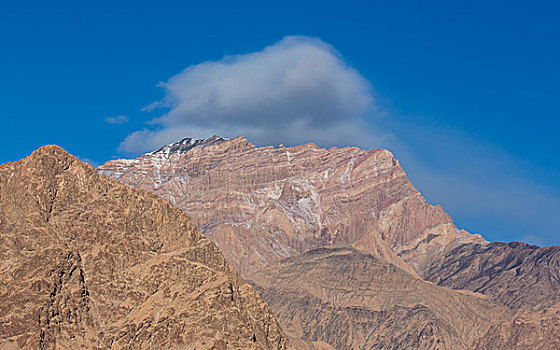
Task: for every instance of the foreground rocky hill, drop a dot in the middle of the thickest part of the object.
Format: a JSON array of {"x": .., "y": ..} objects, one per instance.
[{"x": 88, "y": 263}]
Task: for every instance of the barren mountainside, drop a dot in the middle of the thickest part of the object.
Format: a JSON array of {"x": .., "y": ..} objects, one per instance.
[
  {"x": 260, "y": 205},
  {"x": 408, "y": 277},
  {"x": 352, "y": 300},
  {"x": 518, "y": 275},
  {"x": 88, "y": 263},
  {"x": 529, "y": 330}
]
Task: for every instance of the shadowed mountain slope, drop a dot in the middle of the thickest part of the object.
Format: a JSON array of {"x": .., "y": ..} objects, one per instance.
[{"x": 518, "y": 275}]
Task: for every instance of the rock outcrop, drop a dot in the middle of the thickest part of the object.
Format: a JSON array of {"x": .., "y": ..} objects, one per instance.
[{"x": 88, "y": 263}]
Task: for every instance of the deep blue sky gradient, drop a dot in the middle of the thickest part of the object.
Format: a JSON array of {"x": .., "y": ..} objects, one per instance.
[{"x": 485, "y": 69}]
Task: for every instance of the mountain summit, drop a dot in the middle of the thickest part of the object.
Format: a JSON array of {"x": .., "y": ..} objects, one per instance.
[
  {"x": 263, "y": 204},
  {"x": 185, "y": 145}
]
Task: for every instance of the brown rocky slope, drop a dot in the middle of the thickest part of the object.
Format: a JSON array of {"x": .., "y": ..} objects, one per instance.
[
  {"x": 86, "y": 262},
  {"x": 353, "y": 300},
  {"x": 536, "y": 329}
]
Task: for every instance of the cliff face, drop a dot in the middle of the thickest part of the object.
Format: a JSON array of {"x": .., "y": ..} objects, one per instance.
[
  {"x": 86, "y": 262},
  {"x": 352, "y": 300},
  {"x": 260, "y": 205}
]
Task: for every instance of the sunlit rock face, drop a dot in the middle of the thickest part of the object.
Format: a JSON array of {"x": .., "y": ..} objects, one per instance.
[
  {"x": 262, "y": 204},
  {"x": 88, "y": 263}
]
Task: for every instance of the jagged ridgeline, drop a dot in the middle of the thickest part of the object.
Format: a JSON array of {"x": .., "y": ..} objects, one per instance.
[{"x": 88, "y": 263}]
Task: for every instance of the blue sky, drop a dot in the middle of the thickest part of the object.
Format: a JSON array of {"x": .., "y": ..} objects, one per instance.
[{"x": 466, "y": 94}]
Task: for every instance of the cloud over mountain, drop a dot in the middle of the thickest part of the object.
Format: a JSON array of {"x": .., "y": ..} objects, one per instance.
[
  {"x": 295, "y": 91},
  {"x": 300, "y": 90}
]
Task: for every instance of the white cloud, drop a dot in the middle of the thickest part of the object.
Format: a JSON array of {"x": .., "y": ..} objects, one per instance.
[
  {"x": 121, "y": 119},
  {"x": 151, "y": 106},
  {"x": 295, "y": 91}
]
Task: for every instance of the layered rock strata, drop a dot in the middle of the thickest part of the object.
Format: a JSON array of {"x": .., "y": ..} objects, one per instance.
[{"x": 260, "y": 205}]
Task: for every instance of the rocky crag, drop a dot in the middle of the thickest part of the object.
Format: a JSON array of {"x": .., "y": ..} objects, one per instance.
[{"x": 88, "y": 263}]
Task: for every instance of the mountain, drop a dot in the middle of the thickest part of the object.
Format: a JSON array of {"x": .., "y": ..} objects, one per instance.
[
  {"x": 88, "y": 263},
  {"x": 407, "y": 277},
  {"x": 352, "y": 300},
  {"x": 260, "y": 205}
]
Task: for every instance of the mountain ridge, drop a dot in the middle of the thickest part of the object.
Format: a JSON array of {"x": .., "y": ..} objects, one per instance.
[{"x": 301, "y": 187}]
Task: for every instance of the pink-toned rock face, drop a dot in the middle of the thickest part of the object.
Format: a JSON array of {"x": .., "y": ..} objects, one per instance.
[{"x": 260, "y": 205}]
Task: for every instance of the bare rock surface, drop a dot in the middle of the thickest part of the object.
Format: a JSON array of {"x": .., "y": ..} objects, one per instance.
[
  {"x": 519, "y": 275},
  {"x": 260, "y": 205},
  {"x": 352, "y": 300},
  {"x": 88, "y": 263}
]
